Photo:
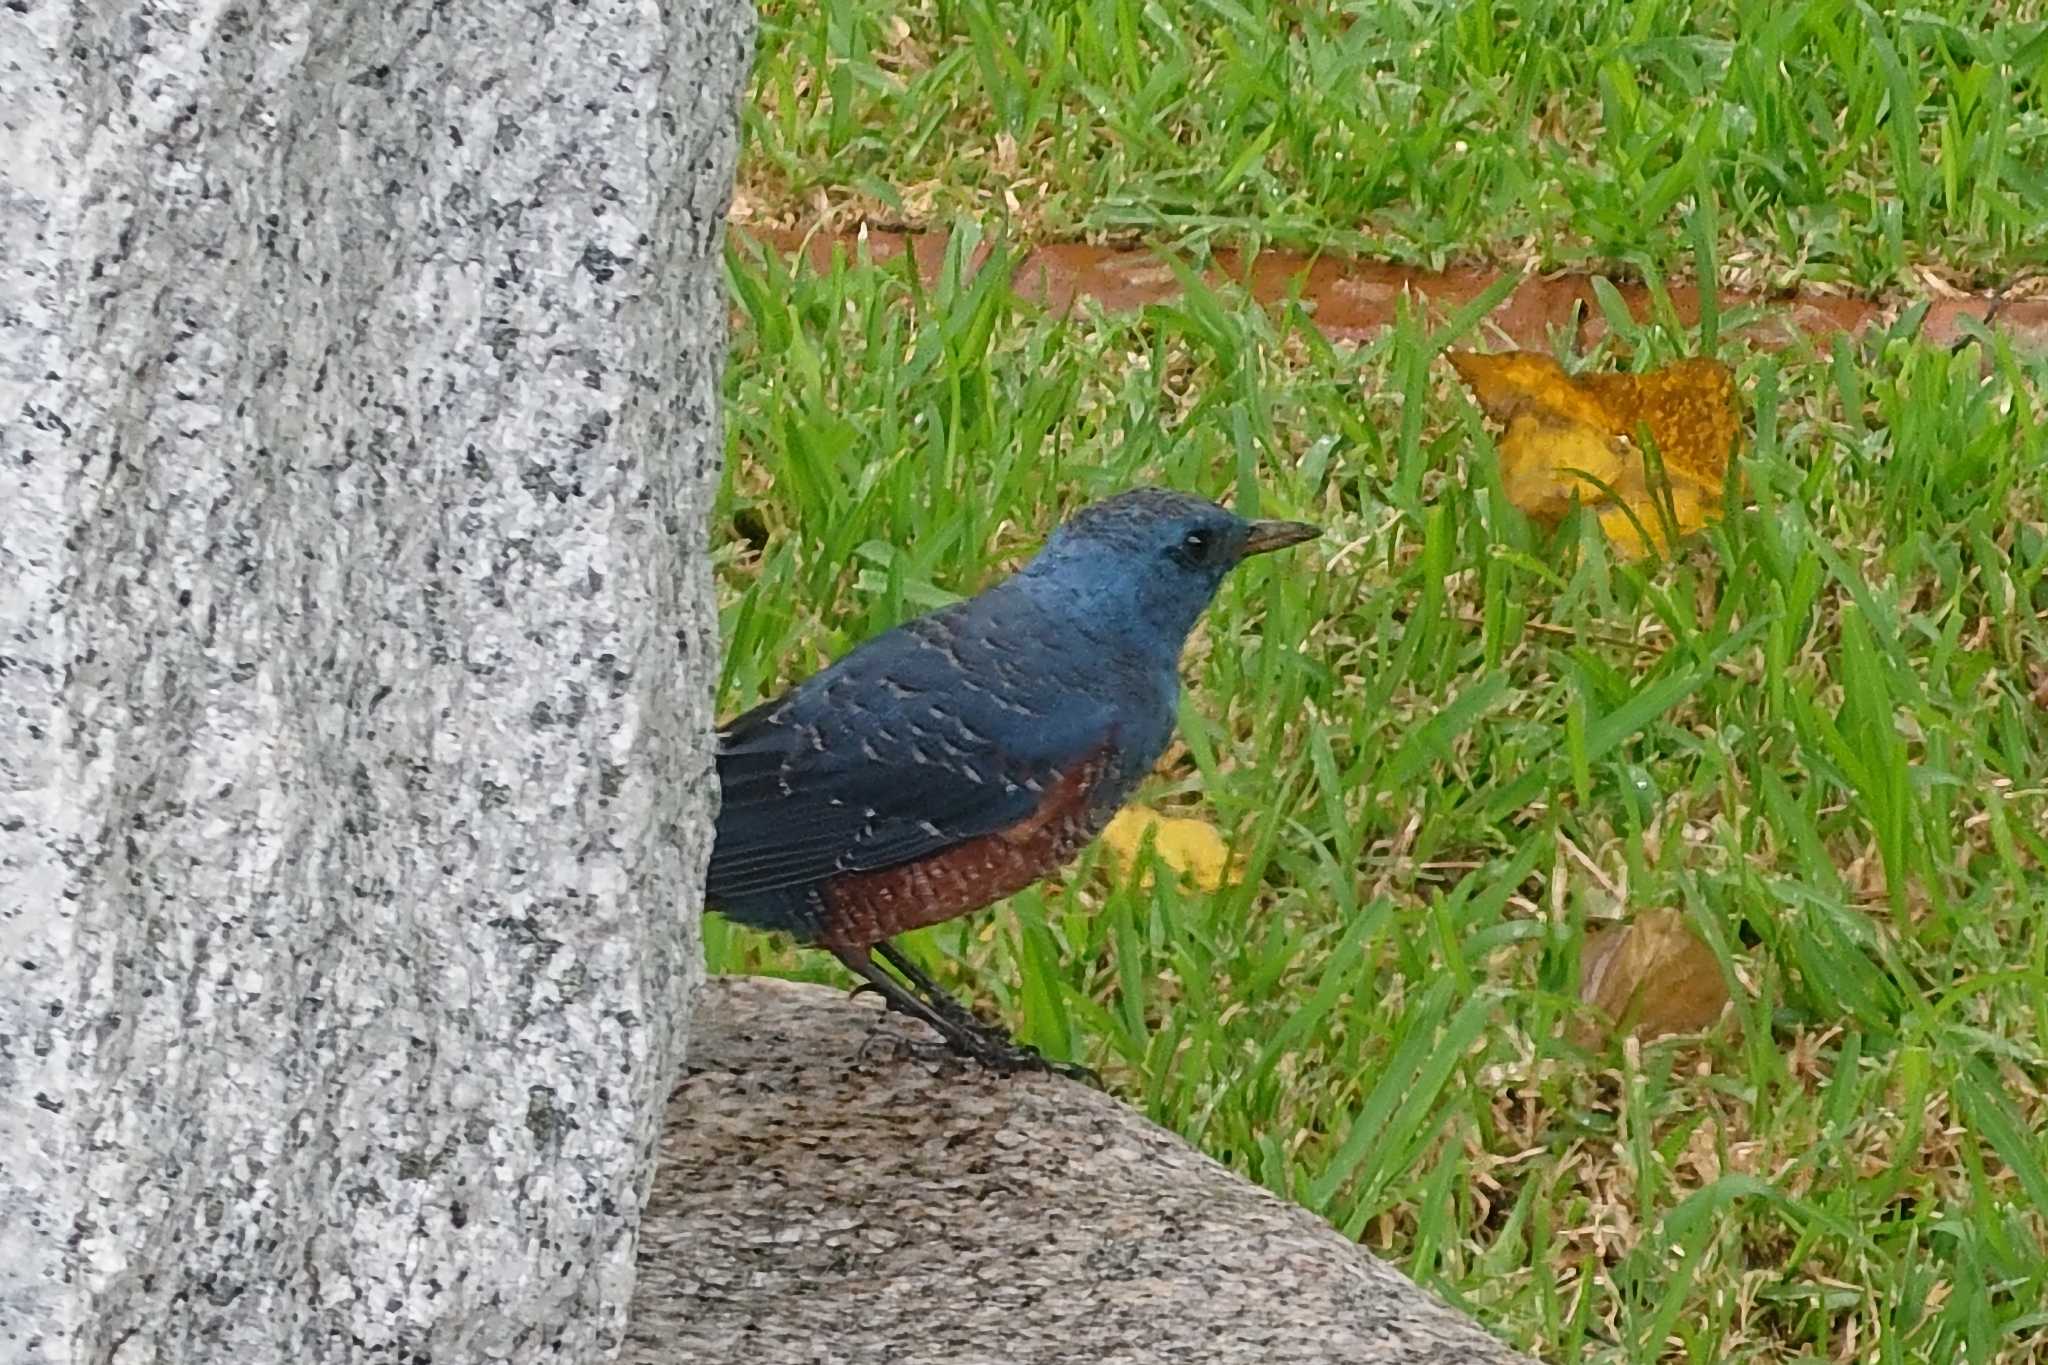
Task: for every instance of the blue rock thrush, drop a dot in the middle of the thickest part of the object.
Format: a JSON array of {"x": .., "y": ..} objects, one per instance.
[{"x": 970, "y": 752}]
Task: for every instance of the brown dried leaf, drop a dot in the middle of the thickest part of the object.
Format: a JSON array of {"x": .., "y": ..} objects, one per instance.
[
  {"x": 1650, "y": 976},
  {"x": 1565, "y": 437}
]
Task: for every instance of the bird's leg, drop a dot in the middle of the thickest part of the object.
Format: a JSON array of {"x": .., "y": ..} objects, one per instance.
[
  {"x": 861, "y": 962},
  {"x": 994, "y": 1034},
  {"x": 935, "y": 995},
  {"x": 970, "y": 1038}
]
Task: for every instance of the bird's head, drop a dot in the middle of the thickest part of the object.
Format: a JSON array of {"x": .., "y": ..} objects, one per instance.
[{"x": 1149, "y": 561}]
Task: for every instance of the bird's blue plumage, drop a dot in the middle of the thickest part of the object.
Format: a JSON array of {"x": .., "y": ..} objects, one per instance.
[{"x": 959, "y": 724}]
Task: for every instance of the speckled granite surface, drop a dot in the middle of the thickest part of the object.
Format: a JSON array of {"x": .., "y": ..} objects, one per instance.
[
  {"x": 825, "y": 1197},
  {"x": 359, "y": 374}
]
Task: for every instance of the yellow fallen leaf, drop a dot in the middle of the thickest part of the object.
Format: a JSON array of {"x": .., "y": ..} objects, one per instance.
[
  {"x": 1567, "y": 436},
  {"x": 1650, "y": 976},
  {"x": 1190, "y": 847}
]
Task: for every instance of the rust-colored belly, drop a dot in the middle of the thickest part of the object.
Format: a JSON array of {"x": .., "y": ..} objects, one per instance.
[{"x": 863, "y": 908}]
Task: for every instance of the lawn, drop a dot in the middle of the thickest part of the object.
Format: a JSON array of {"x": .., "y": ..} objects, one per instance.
[
  {"x": 1839, "y": 145},
  {"x": 1442, "y": 741}
]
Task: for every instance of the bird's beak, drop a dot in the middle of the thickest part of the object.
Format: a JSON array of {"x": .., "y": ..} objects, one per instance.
[{"x": 1266, "y": 536}]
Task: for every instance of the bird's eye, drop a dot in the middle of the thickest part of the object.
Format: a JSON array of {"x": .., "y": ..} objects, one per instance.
[{"x": 1194, "y": 547}]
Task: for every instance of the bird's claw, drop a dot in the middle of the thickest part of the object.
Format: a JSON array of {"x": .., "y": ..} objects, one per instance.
[
  {"x": 995, "y": 1049},
  {"x": 969, "y": 1036}
]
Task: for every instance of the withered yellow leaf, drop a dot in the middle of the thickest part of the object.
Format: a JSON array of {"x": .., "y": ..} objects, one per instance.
[
  {"x": 1190, "y": 847},
  {"x": 1581, "y": 438},
  {"x": 1650, "y": 976}
]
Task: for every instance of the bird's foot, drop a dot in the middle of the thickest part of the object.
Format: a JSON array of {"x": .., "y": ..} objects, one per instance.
[
  {"x": 966, "y": 1034},
  {"x": 986, "y": 1045},
  {"x": 992, "y": 1047}
]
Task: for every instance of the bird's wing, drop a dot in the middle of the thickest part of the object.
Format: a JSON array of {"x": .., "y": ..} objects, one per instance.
[{"x": 882, "y": 760}]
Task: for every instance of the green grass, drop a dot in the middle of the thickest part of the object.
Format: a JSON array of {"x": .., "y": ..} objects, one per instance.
[
  {"x": 1846, "y": 142},
  {"x": 1444, "y": 742},
  {"x": 1813, "y": 733}
]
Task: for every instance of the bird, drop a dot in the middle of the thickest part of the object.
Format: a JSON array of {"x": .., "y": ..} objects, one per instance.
[{"x": 967, "y": 753}]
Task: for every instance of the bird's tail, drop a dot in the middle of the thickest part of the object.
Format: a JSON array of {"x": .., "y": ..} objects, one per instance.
[{"x": 789, "y": 910}]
